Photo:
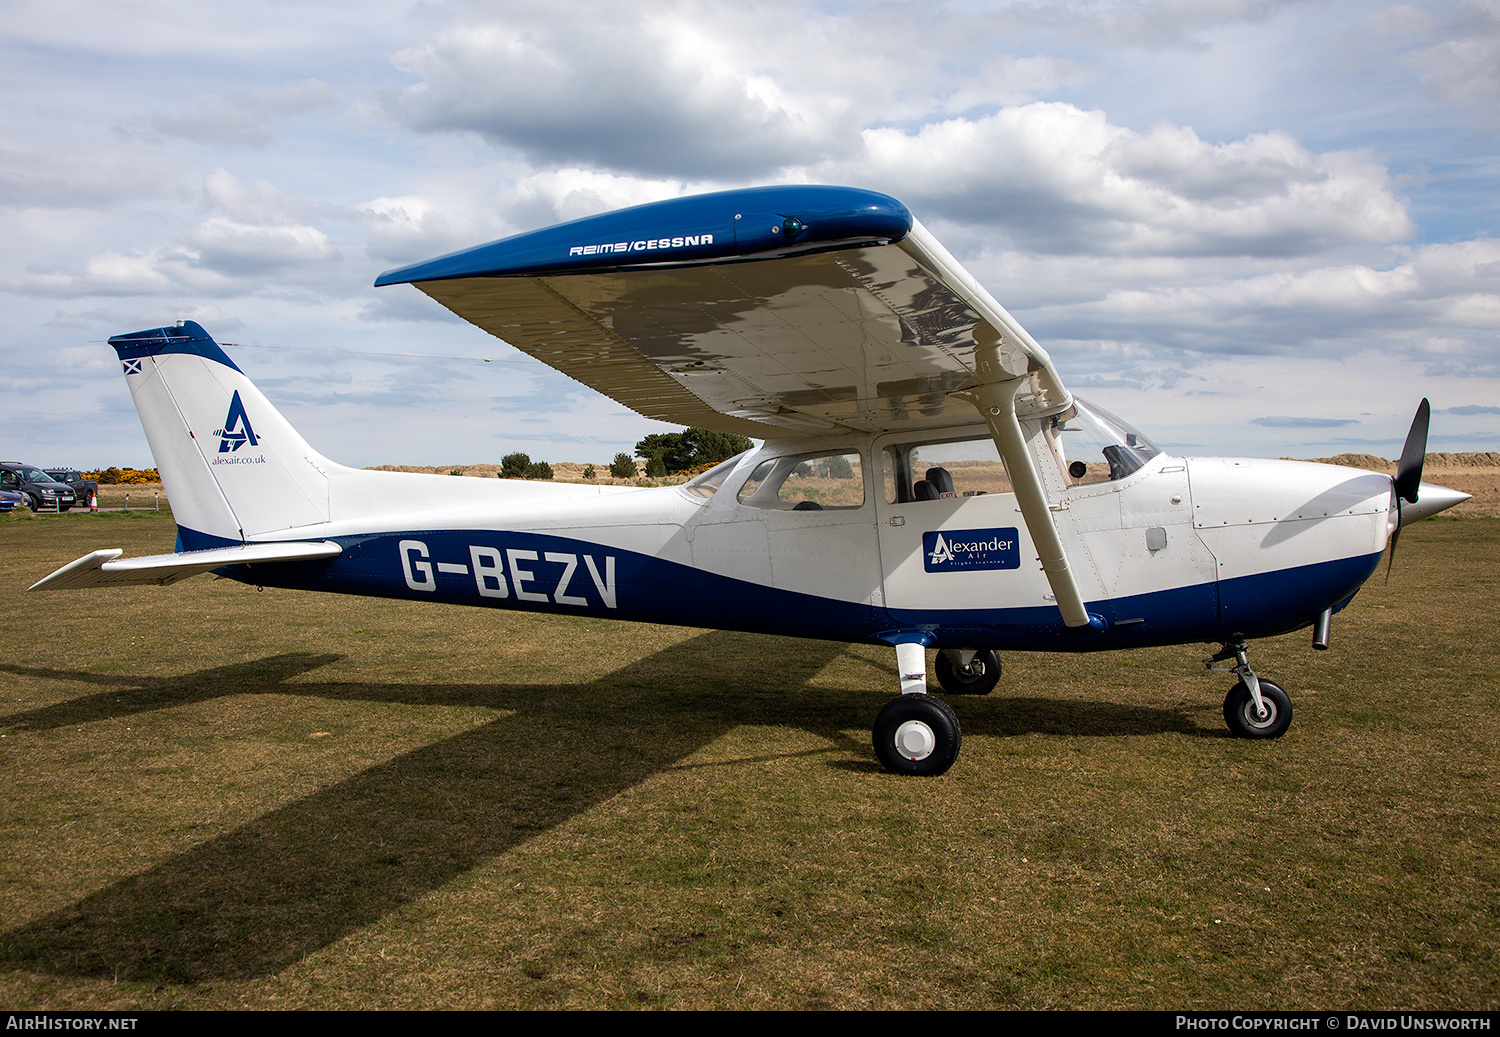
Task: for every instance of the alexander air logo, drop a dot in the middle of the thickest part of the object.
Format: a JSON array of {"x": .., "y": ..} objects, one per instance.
[
  {"x": 236, "y": 431},
  {"x": 961, "y": 550}
]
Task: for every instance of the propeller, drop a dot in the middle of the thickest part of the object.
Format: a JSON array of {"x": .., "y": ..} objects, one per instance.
[{"x": 1408, "y": 481}]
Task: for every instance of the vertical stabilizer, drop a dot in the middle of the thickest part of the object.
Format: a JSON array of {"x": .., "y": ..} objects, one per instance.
[{"x": 231, "y": 465}]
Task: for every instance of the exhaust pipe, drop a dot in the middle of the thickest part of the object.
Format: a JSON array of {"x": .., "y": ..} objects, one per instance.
[{"x": 1320, "y": 630}]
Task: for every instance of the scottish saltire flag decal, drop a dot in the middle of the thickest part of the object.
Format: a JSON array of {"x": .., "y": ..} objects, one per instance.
[{"x": 961, "y": 550}]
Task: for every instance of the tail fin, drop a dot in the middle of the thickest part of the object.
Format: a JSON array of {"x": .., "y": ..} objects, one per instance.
[{"x": 232, "y": 466}]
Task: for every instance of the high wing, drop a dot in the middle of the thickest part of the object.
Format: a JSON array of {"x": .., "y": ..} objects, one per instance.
[
  {"x": 803, "y": 309},
  {"x": 814, "y": 310}
]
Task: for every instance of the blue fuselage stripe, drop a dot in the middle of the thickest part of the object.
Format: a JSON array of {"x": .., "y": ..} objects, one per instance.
[{"x": 545, "y": 573}]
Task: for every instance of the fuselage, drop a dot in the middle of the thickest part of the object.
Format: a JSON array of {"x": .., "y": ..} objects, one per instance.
[{"x": 858, "y": 540}]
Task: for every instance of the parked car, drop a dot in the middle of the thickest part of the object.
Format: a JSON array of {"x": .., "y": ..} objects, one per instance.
[
  {"x": 41, "y": 490},
  {"x": 10, "y": 500},
  {"x": 83, "y": 489}
]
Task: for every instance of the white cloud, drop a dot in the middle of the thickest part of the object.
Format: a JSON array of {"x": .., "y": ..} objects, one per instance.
[
  {"x": 641, "y": 89},
  {"x": 1440, "y": 306},
  {"x": 1463, "y": 69},
  {"x": 239, "y": 249},
  {"x": 233, "y": 120},
  {"x": 570, "y": 194},
  {"x": 52, "y": 179},
  {"x": 109, "y": 273},
  {"x": 1051, "y": 177},
  {"x": 260, "y": 203}
]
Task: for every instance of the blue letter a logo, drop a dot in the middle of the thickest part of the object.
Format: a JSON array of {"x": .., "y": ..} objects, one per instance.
[{"x": 237, "y": 430}]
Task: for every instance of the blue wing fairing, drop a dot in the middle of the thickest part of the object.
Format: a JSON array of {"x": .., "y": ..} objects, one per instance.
[{"x": 729, "y": 225}]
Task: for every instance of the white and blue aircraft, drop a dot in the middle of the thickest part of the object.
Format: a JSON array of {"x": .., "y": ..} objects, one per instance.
[{"x": 927, "y": 481}]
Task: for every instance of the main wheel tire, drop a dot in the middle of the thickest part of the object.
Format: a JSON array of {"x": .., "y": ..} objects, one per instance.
[
  {"x": 980, "y": 678},
  {"x": 1239, "y": 711},
  {"x": 917, "y": 734}
]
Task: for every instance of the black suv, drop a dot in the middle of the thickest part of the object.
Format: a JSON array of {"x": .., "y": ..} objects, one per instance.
[
  {"x": 40, "y": 488},
  {"x": 83, "y": 489}
]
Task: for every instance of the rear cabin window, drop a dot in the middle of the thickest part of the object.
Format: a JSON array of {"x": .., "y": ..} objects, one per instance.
[
  {"x": 943, "y": 469},
  {"x": 808, "y": 482}
]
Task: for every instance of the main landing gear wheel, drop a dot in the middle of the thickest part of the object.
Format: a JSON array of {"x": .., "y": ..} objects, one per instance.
[
  {"x": 1240, "y": 714},
  {"x": 917, "y": 734},
  {"x": 978, "y": 678}
]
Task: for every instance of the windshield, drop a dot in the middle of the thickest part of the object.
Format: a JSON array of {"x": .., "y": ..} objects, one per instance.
[
  {"x": 707, "y": 484},
  {"x": 1092, "y": 445}
]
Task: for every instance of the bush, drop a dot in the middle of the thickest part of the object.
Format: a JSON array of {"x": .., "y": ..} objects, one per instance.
[
  {"x": 123, "y": 476},
  {"x": 588, "y": 472},
  {"x": 539, "y": 470},
  {"x": 622, "y": 467},
  {"x": 656, "y": 467}
]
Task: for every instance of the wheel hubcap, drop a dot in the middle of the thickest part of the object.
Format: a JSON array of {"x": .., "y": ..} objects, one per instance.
[
  {"x": 1265, "y": 717},
  {"x": 915, "y": 740}
]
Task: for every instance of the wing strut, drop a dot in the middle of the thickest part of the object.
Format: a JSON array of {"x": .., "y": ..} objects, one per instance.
[{"x": 994, "y": 391}]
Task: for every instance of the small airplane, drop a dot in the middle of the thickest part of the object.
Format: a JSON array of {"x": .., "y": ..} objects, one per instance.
[{"x": 926, "y": 480}]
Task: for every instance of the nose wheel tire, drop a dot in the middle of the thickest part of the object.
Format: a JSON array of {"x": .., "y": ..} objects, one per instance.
[
  {"x": 978, "y": 678},
  {"x": 916, "y": 734},
  {"x": 1242, "y": 718}
]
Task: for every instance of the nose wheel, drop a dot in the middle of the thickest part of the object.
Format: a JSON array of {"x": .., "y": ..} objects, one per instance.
[
  {"x": 1255, "y": 707},
  {"x": 976, "y": 676},
  {"x": 1269, "y": 720}
]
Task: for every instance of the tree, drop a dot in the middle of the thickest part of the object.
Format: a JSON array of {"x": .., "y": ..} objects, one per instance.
[
  {"x": 622, "y": 467},
  {"x": 836, "y": 466},
  {"x": 514, "y": 466},
  {"x": 679, "y": 451},
  {"x": 656, "y": 468},
  {"x": 539, "y": 470},
  {"x": 588, "y": 473}
]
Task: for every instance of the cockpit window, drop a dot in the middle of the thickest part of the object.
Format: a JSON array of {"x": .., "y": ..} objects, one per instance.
[
  {"x": 1091, "y": 445},
  {"x": 806, "y": 482},
  {"x": 707, "y": 484}
]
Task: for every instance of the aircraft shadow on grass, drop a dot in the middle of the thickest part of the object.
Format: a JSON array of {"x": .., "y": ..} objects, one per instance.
[{"x": 299, "y": 878}]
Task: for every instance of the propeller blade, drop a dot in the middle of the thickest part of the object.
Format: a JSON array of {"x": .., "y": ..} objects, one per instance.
[
  {"x": 1409, "y": 469},
  {"x": 1390, "y": 552}
]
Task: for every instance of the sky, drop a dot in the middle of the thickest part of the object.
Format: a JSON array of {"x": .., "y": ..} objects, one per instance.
[{"x": 1249, "y": 227}]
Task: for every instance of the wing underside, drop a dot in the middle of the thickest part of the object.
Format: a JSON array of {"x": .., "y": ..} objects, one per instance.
[{"x": 870, "y": 333}]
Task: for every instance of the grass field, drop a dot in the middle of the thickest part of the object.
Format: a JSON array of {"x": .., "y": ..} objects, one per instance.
[{"x": 223, "y": 798}]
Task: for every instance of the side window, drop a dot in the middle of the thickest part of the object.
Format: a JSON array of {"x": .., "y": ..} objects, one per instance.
[
  {"x": 809, "y": 482},
  {"x": 937, "y": 471}
]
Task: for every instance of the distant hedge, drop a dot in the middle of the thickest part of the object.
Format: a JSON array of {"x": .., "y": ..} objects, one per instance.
[{"x": 123, "y": 476}]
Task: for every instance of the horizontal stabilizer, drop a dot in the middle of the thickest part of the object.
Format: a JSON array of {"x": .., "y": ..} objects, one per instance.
[{"x": 102, "y": 569}]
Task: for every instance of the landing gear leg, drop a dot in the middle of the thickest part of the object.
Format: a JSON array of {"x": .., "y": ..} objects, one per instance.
[
  {"x": 916, "y": 733},
  {"x": 1255, "y": 707}
]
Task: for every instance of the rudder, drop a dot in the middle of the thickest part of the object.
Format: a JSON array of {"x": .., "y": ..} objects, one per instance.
[{"x": 232, "y": 466}]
